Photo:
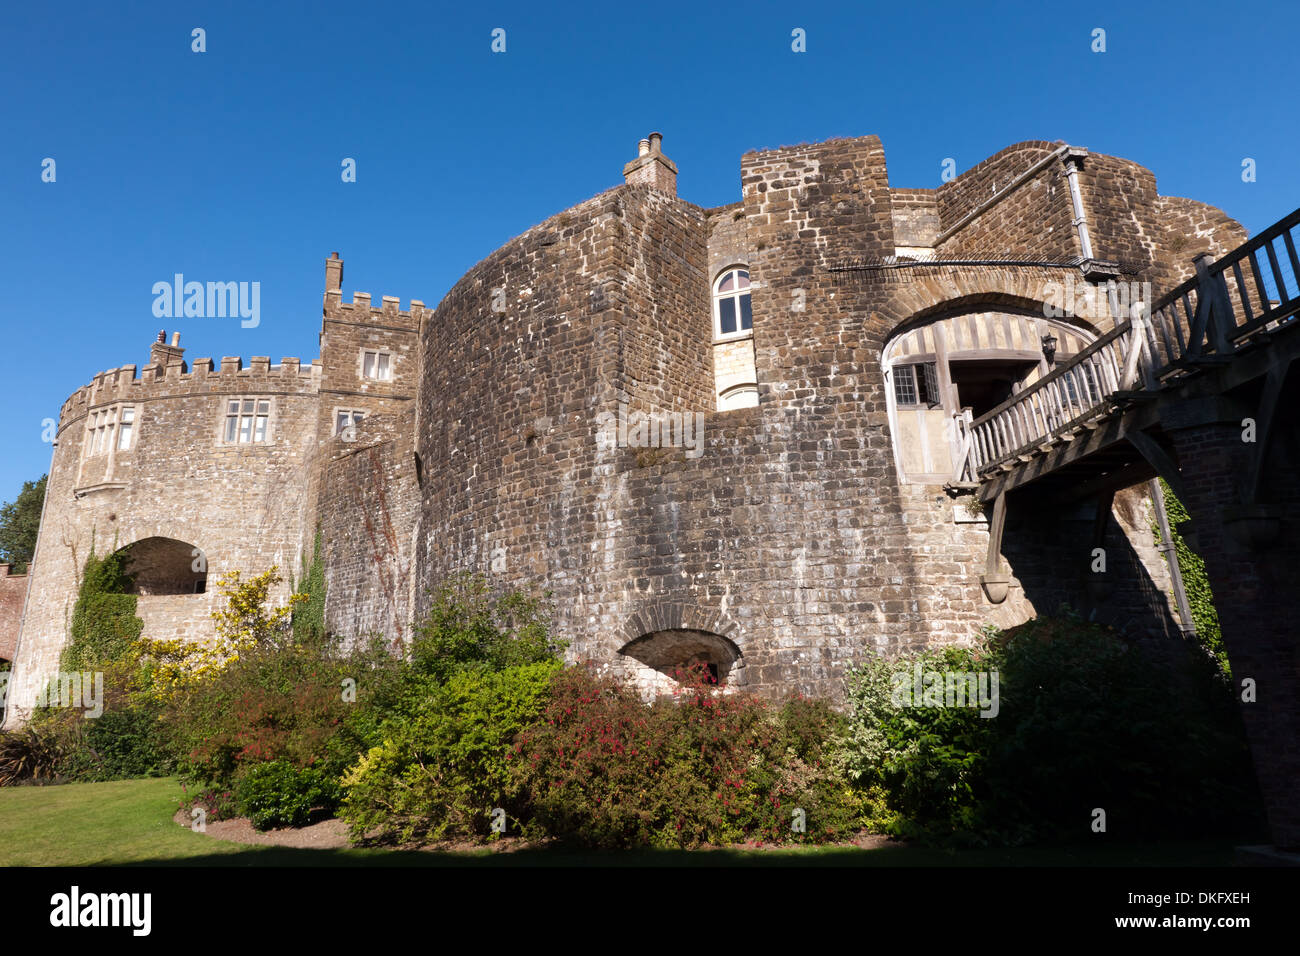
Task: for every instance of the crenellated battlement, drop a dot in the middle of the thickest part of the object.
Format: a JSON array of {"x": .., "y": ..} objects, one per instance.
[
  {"x": 131, "y": 383},
  {"x": 362, "y": 311}
]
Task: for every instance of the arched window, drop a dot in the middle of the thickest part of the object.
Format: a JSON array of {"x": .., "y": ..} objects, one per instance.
[
  {"x": 733, "y": 315},
  {"x": 744, "y": 395}
]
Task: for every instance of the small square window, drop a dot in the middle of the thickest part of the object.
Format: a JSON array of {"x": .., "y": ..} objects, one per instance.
[
  {"x": 376, "y": 365},
  {"x": 345, "y": 419}
]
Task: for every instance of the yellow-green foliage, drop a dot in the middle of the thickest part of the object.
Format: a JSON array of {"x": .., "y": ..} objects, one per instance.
[{"x": 168, "y": 667}]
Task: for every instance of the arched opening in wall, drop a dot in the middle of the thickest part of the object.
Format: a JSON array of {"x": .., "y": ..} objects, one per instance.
[
  {"x": 166, "y": 566},
  {"x": 672, "y": 653},
  {"x": 739, "y": 396},
  {"x": 963, "y": 365}
]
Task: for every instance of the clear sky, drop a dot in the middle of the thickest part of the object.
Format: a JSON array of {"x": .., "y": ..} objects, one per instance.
[{"x": 226, "y": 165}]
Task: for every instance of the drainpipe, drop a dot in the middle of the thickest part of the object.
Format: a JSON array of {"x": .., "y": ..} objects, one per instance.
[
  {"x": 1170, "y": 551},
  {"x": 1074, "y": 155}
]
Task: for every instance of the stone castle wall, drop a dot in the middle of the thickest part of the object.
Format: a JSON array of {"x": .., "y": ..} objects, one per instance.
[
  {"x": 13, "y": 589},
  {"x": 788, "y": 540},
  {"x": 791, "y": 533},
  {"x": 241, "y": 506}
]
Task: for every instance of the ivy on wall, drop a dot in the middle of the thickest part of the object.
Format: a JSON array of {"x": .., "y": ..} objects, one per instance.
[
  {"x": 309, "y": 616},
  {"x": 104, "y": 625},
  {"x": 1196, "y": 582}
]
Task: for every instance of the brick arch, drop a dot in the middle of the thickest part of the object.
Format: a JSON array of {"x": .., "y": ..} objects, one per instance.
[
  {"x": 679, "y": 616},
  {"x": 960, "y": 287}
]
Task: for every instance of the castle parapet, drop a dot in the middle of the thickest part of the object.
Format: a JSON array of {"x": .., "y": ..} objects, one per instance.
[{"x": 131, "y": 383}]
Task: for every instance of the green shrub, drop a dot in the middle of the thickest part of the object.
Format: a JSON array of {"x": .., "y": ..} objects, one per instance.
[
  {"x": 129, "y": 742},
  {"x": 470, "y": 627},
  {"x": 443, "y": 769},
  {"x": 1083, "y": 721},
  {"x": 279, "y": 794},
  {"x": 104, "y": 626},
  {"x": 605, "y": 769},
  {"x": 267, "y": 705}
]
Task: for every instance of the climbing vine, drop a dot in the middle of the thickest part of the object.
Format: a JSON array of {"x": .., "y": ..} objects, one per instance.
[
  {"x": 309, "y": 616},
  {"x": 104, "y": 625},
  {"x": 1196, "y": 582}
]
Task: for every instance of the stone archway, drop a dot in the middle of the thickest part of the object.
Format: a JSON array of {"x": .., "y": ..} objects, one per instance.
[
  {"x": 939, "y": 289},
  {"x": 668, "y": 637},
  {"x": 160, "y": 565}
]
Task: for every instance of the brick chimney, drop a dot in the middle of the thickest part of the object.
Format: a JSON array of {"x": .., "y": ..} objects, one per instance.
[
  {"x": 162, "y": 354},
  {"x": 651, "y": 167},
  {"x": 333, "y": 274}
]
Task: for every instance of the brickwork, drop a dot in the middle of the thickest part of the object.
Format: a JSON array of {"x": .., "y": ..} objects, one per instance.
[
  {"x": 13, "y": 588},
  {"x": 915, "y": 213},
  {"x": 792, "y": 522},
  {"x": 1030, "y": 217},
  {"x": 369, "y": 505},
  {"x": 1254, "y": 587}
]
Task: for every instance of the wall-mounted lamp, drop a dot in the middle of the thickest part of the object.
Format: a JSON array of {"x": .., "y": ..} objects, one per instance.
[{"x": 1049, "y": 347}]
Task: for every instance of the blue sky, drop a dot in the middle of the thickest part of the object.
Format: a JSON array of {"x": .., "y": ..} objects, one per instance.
[{"x": 225, "y": 165}]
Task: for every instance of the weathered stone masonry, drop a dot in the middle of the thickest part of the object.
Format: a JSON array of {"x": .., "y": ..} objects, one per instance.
[{"x": 792, "y": 545}]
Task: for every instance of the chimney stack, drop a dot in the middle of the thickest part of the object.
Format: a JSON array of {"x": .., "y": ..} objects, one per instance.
[
  {"x": 651, "y": 167},
  {"x": 334, "y": 274},
  {"x": 163, "y": 355}
]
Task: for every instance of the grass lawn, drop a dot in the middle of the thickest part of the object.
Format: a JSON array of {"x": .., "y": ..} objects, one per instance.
[{"x": 130, "y": 822}]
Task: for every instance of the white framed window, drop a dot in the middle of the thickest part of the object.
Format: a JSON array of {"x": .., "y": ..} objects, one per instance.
[
  {"x": 247, "y": 421},
  {"x": 101, "y": 425},
  {"x": 126, "y": 428},
  {"x": 377, "y": 365},
  {"x": 733, "y": 311},
  {"x": 744, "y": 395},
  {"x": 346, "y": 420}
]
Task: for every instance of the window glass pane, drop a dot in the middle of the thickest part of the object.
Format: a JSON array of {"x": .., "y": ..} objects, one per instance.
[
  {"x": 128, "y": 414},
  {"x": 245, "y": 428},
  {"x": 931, "y": 384},
  {"x": 263, "y": 408},
  {"x": 248, "y": 406},
  {"x": 742, "y": 279},
  {"x": 727, "y": 315},
  {"x": 232, "y": 408},
  {"x": 124, "y": 441},
  {"x": 746, "y": 313},
  {"x": 231, "y": 424},
  {"x": 260, "y": 434},
  {"x": 368, "y": 365},
  {"x": 342, "y": 422},
  {"x": 383, "y": 366},
  {"x": 904, "y": 385}
]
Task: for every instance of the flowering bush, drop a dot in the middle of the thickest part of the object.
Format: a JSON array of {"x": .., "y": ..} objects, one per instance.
[
  {"x": 605, "y": 769},
  {"x": 267, "y": 705}
]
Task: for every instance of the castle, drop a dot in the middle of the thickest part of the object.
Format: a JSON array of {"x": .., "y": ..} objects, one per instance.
[{"x": 731, "y": 435}]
